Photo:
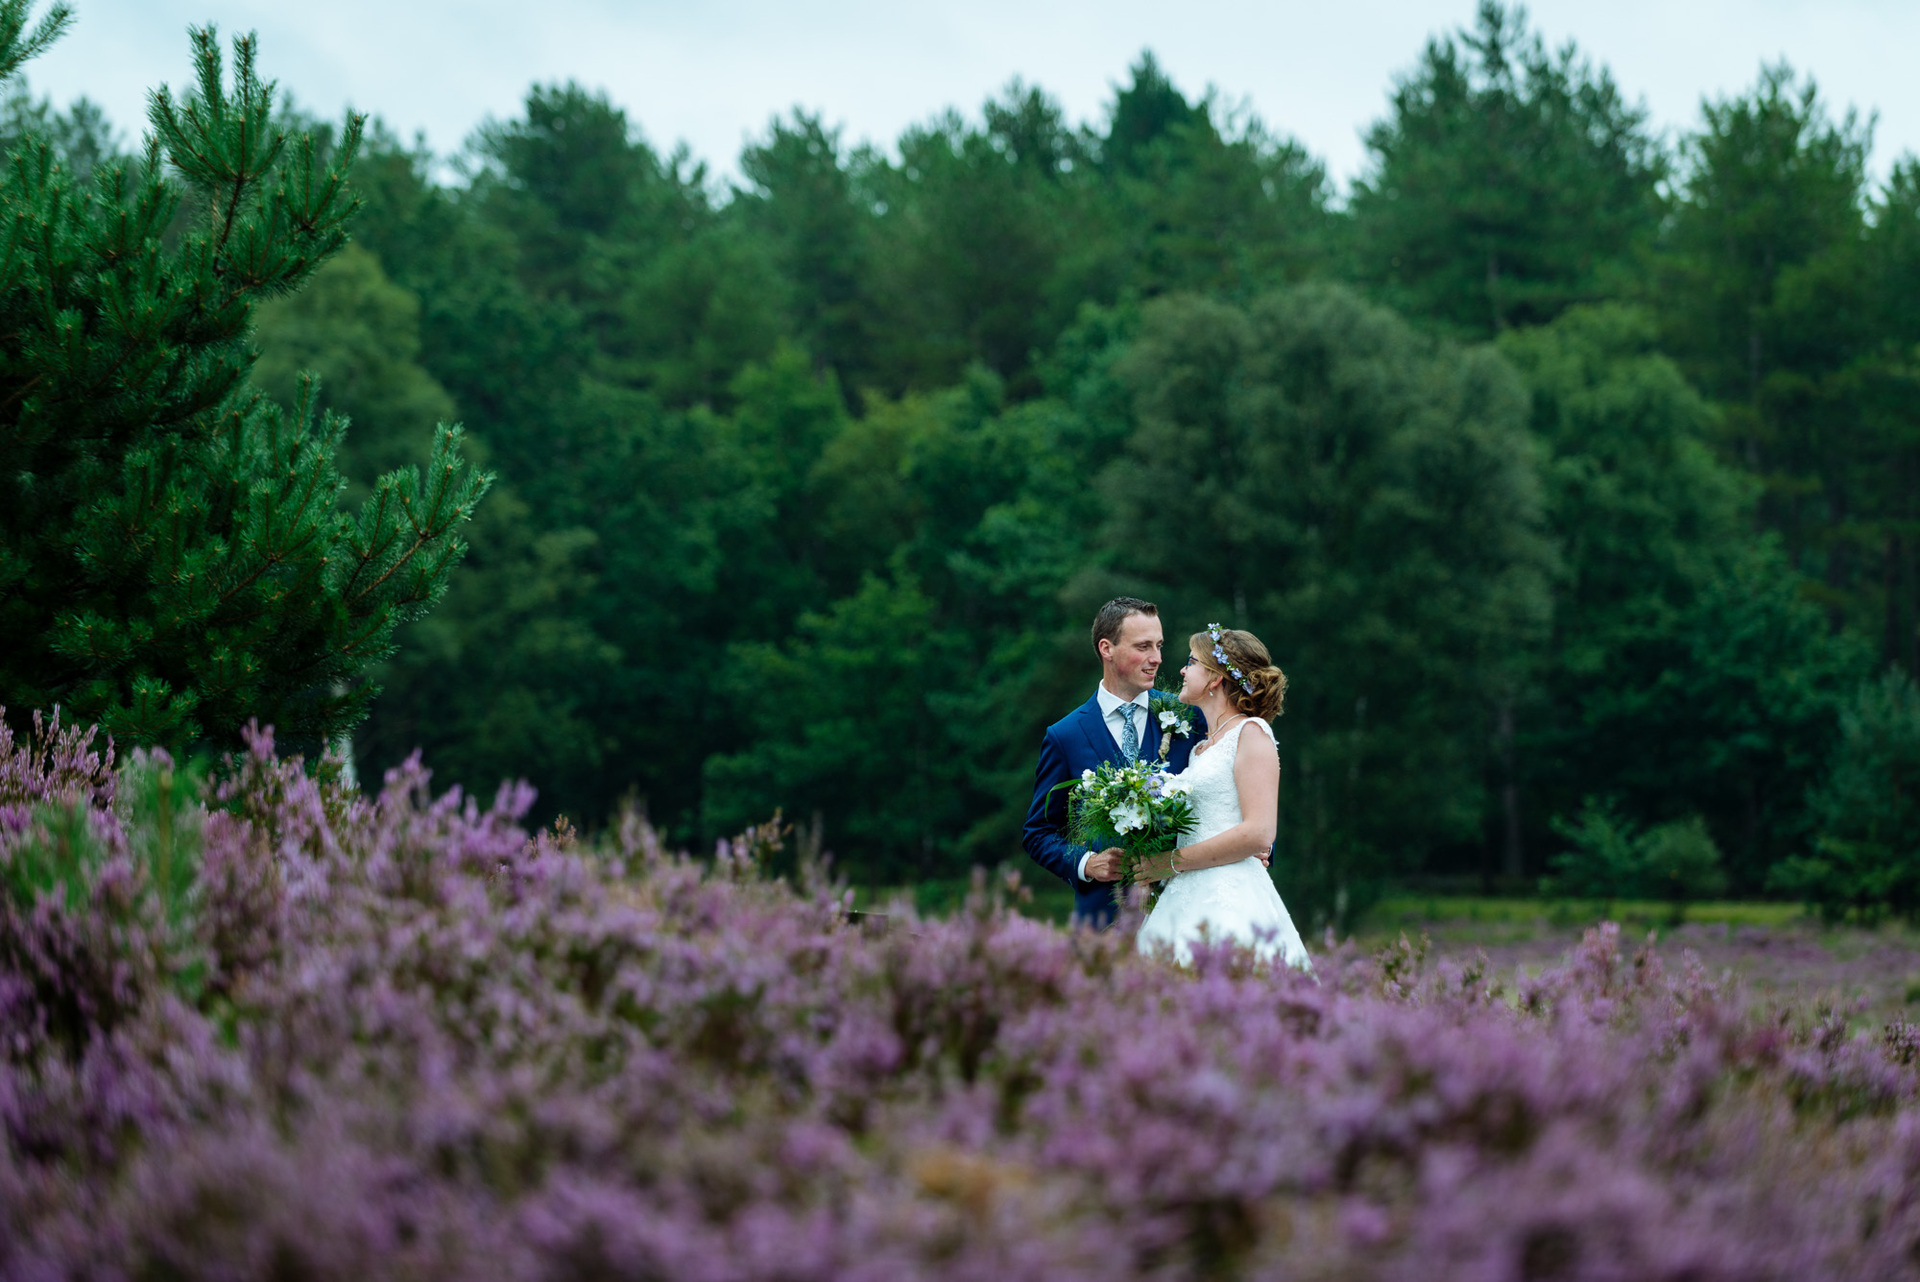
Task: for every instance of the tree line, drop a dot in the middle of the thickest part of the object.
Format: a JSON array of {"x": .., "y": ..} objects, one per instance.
[{"x": 1568, "y": 468}]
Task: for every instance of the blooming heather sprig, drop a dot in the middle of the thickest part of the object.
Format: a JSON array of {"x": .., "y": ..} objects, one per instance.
[
  {"x": 438, "y": 1045},
  {"x": 57, "y": 763}
]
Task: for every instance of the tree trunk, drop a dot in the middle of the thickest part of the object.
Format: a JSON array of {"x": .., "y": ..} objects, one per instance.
[
  {"x": 1909, "y": 626},
  {"x": 1493, "y": 291},
  {"x": 1907, "y": 652},
  {"x": 1513, "y": 857},
  {"x": 1892, "y": 643},
  {"x": 1836, "y": 568}
]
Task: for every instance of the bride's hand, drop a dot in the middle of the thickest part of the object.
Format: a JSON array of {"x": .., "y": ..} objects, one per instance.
[
  {"x": 1105, "y": 866},
  {"x": 1266, "y": 857}
]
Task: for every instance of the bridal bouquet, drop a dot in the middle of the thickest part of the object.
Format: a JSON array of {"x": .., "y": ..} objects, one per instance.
[{"x": 1141, "y": 808}]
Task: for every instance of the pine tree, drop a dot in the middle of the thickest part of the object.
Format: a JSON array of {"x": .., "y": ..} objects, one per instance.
[
  {"x": 1507, "y": 184},
  {"x": 173, "y": 555}
]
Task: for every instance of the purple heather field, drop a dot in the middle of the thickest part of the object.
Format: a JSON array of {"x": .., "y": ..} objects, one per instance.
[
  {"x": 1789, "y": 962},
  {"x": 300, "y": 1032}
]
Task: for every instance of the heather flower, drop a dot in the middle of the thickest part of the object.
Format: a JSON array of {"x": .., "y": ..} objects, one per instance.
[{"x": 400, "y": 1035}]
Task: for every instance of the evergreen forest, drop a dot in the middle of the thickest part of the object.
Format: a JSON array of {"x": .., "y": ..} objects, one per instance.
[{"x": 1570, "y": 468}]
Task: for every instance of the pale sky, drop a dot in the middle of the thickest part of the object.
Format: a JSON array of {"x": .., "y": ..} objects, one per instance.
[{"x": 714, "y": 74}]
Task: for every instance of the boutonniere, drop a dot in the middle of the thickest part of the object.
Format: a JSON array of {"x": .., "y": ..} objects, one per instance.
[{"x": 1174, "y": 717}]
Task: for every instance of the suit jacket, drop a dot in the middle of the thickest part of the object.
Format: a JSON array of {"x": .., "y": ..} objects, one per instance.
[{"x": 1077, "y": 742}]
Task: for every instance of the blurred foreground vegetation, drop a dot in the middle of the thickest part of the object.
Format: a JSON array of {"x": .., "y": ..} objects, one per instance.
[
  {"x": 1569, "y": 469},
  {"x": 262, "y": 1024}
]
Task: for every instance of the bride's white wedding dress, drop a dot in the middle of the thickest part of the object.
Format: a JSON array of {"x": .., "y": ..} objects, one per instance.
[{"x": 1234, "y": 901}]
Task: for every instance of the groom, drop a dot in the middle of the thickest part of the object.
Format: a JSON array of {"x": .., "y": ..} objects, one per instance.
[{"x": 1115, "y": 725}]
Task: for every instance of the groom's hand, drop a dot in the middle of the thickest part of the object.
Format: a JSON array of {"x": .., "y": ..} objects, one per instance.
[
  {"x": 1105, "y": 866},
  {"x": 1266, "y": 857}
]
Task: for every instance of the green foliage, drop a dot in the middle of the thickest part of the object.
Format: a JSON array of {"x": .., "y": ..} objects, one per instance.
[
  {"x": 1672, "y": 629},
  {"x": 1737, "y": 718},
  {"x": 1644, "y": 513},
  {"x": 1866, "y": 857},
  {"x": 1785, "y": 305},
  {"x": 1602, "y": 860},
  {"x": 1681, "y": 862},
  {"x": 508, "y": 676},
  {"x": 1506, "y": 182},
  {"x": 839, "y": 720},
  {"x": 1203, "y": 197},
  {"x": 361, "y": 333},
  {"x": 1609, "y": 857},
  {"x": 1771, "y": 182},
  {"x": 673, "y": 297},
  {"x": 973, "y": 234},
  {"x": 158, "y": 802},
  {"x": 140, "y": 872},
  {"x": 811, "y": 484},
  {"x": 172, "y": 553},
  {"x": 1366, "y": 501},
  {"x": 803, "y": 202},
  {"x": 57, "y": 861},
  {"x": 81, "y": 136},
  {"x": 19, "y": 46}
]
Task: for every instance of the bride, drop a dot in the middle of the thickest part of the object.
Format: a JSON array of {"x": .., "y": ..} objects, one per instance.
[{"x": 1217, "y": 888}]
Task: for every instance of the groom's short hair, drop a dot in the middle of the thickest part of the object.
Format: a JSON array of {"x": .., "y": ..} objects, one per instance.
[{"x": 1106, "y": 624}]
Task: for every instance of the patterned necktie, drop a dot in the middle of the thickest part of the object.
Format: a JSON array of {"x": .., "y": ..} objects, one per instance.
[{"x": 1129, "y": 737}]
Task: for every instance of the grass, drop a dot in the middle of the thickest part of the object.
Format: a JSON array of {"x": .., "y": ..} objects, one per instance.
[
  {"x": 1398, "y": 911},
  {"x": 1048, "y": 899},
  {"x": 1541, "y": 928}
]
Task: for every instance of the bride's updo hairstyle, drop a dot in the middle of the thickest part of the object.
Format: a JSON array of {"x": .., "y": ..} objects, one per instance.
[{"x": 1262, "y": 688}]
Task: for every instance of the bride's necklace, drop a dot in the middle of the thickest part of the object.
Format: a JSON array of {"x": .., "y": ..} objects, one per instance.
[{"x": 1220, "y": 729}]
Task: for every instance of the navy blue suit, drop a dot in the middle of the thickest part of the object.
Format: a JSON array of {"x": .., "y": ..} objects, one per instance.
[{"x": 1077, "y": 742}]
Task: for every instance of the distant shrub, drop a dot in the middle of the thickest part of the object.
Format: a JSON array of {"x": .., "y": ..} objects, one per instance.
[
  {"x": 421, "y": 1042},
  {"x": 1680, "y": 862},
  {"x": 1609, "y": 857},
  {"x": 1866, "y": 851}
]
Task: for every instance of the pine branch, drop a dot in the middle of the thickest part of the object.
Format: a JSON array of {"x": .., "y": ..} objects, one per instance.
[{"x": 17, "y": 48}]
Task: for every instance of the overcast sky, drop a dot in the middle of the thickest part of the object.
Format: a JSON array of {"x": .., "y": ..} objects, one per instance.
[{"x": 713, "y": 73}]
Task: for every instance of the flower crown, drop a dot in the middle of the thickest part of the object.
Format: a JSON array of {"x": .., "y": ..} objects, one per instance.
[{"x": 1220, "y": 656}]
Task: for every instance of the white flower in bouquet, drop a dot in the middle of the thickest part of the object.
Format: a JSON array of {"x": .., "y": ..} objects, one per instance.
[{"x": 1128, "y": 817}]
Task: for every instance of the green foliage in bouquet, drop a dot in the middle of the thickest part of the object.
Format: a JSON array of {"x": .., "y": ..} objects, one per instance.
[
  {"x": 1140, "y": 808},
  {"x": 174, "y": 560}
]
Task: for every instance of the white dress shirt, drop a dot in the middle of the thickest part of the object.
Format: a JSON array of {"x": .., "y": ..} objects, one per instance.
[{"x": 1110, "y": 705}]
